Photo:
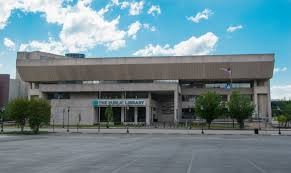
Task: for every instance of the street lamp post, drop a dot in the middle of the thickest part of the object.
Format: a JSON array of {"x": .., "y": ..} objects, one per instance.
[
  {"x": 68, "y": 118},
  {"x": 202, "y": 131},
  {"x": 64, "y": 118}
]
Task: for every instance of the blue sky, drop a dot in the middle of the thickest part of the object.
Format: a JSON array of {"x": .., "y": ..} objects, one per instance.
[{"x": 149, "y": 27}]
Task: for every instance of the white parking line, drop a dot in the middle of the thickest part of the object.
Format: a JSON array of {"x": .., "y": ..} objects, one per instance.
[
  {"x": 190, "y": 163},
  {"x": 256, "y": 166},
  {"x": 124, "y": 166}
]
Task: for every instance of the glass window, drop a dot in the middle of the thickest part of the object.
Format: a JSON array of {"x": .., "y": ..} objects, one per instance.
[
  {"x": 188, "y": 113},
  {"x": 188, "y": 98}
]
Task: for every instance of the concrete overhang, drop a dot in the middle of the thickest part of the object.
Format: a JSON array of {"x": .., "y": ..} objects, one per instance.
[{"x": 40, "y": 67}]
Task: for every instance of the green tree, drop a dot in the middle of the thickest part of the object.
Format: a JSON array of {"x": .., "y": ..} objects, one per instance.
[
  {"x": 240, "y": 108},
  {"x": 17, "y": 110},
  {"x": 281, "y": 119},
  {"x": 109, "y": 115},
  {"x": 288, "y": 119},
  {"x": 209, "y": 106},
  {"x": 39, "y": 114}
]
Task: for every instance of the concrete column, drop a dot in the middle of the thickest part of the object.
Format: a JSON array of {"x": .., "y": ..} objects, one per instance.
[
  {"x": 255, "y": 97},
  {"x": 123, "y": 109},
  {"x": 135, "y": 115},
  {"x": 176, "y": 96},
  {"x": 148, "y": 115},
  {"x": 269, "y": 102},
  {"x": 148, "y": 109},
  {"x": 122, "y": 115}
]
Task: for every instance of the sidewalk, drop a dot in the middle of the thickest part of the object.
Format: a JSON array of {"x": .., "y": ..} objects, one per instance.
[{"x": 158, "y": 131}]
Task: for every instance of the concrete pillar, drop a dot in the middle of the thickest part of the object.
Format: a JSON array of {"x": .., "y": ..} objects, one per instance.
[
  {"x": 255, "y": 97},
  {"x": 176, "y": 96},
  {"x": 269, "y": 102},
  {"x": 148, "y": 109},
  {"x": 135, "y": 115},
  {"x": 148, "y": 115},
  {"x": 122, "y": 114}
]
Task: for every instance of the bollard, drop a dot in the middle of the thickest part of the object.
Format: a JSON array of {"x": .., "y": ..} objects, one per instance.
[
  {"x": 127, "y": 131},
  {"x": 256, "y": 131}
]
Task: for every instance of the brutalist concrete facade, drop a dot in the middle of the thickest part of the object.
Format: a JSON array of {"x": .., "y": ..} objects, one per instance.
[{"x": 142, "y": 89}]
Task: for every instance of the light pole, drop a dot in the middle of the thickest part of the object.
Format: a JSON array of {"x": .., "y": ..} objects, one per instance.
[
  {"x": 2, "y": 118},
  {"x": 64, "y": 118},
  {"x": 68, "y": 118},
  {"x": 202, "y": 131}
]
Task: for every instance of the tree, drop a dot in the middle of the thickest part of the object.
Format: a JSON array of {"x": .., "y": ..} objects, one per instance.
[
  {"x": 240, "y": 108},
  {"x": 109, "y": 115},
  {"x": 288, "y": 119},
  {"x": 17, "y": 110},
  {"x": 39, "y": 114},
  {"x": 209, "y": 106},
  {"x": 281, "y": 120}
]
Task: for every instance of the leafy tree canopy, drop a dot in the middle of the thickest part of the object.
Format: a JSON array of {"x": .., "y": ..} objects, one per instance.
[
  {"x": 209, "y": 106},
  {"x": 240, "y": 107}
]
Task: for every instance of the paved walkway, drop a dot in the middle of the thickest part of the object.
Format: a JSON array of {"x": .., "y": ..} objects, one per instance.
[{"x": 159, "y": 131}]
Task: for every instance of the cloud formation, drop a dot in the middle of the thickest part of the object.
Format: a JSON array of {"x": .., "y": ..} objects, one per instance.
[
  {"x": 82, "y": 27},
  {"x": 234, "y": 28},
  {"x": 281, "y": 92},
  {"x": 278, "y": 69},
  {"x": 9, "y": 43},
  {"x": 205, "y": 14},
  {"x": 202, "y": 45},
  {"x": 133, "y": 29},
  {"x": 154, "y": 10}
]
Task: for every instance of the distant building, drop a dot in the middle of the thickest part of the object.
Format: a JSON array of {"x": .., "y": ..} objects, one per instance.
[
  {"x": 11, "y": 89},
  {"x": 4, "y": 89},
  {"x": 142, "y": 89}
]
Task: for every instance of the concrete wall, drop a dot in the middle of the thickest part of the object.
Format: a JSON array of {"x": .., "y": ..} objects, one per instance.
[
  {"x": 83, "y": 106},
  {"x": 37, "y": 66},
  {"x": 17, "y": 88}
]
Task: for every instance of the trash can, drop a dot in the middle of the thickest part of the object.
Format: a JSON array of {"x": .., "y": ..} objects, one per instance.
[{"x": 256, "y": 131}]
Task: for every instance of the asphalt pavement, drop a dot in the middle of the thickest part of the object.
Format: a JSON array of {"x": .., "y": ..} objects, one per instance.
[{"x": 145, "y": 153}]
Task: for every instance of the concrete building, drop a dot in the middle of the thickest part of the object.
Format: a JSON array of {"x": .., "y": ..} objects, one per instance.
[
  {"x": 4, "y": 89},
  {"x": 11, "y": 89},
  {"x": 142, "y": 89}
]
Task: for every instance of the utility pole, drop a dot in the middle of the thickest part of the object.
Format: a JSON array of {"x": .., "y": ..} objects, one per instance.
[
  {"x": 64, "y": 118},
  {"x": 68, "y": 118}
]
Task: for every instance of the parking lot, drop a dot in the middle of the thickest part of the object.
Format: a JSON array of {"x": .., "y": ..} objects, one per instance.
[{"x": 145, "y": 153}]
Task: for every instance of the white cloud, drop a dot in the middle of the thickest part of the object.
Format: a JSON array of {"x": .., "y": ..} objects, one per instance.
[
  {"x": 234, "y": 28},
  {"x": 51, "y": 46},
  {"x": 205, "y": 14},
  {"x": 133, "y": 29},
  {"x": 1, "y": 65},
  {"x": 281, "y": 92},
  {"x": 136, "y": 8},
  {"x": 278, "y": 69},
  {"x": 202, "y": 45},
  {"x": 9, "y": 43},
  {"x": 149, "y": 27},
  {"x": 6, "y": 6},
  {"x": 82, "y": 27},
  {"x": 154, "y": 10},
  {"x": 116, "y": 45}
]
